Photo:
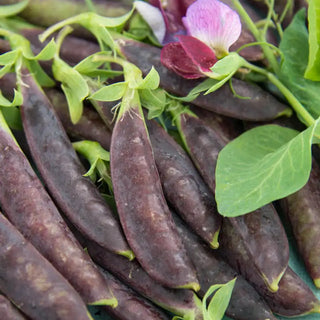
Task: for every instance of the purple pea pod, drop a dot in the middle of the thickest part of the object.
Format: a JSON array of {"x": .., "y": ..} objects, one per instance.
[
  {"x": 32, "y": 283},
  {"x": 182, "y": 302},
  {"x": 183, "y": 187},
  {"x": 245, "y": 303},
  {"x": 302, "y": 211},
  {"x": 8, "y": 311},
  {"x": 142, "y": 208},
  {"x": 131, "y": 306},
  {"x": 76, "y": 195},
  {"x": 263, "y": 235}
]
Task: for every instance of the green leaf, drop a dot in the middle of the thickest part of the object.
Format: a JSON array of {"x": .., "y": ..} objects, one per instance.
[
  {"x": 17, "y": 100},
  {"x": 73, "y": 85},
  {"x": 154, "y": 101},
  {"x": 47, "y": 53},
  {"x": 313, "y": 68},
  {"x": 227, "y": 65},
  {"x": 194, "y": 93},
  {"x": 294, "y": 46},
  {"x": 219, "y": 302},
  {"x": 9, "y": 57},
  {"x": 98, "y": 158},
  {"x": 111, "y": 92},
  {"x": 13, "y": 118},
  {"x": 151, "y": 80},
  {"x": 262, "y": 165},
  {"x": 13, "y": 9}
]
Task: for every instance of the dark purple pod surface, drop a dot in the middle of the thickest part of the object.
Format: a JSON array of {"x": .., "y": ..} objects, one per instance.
[
  {"x": 8, "y": 311},
  {"x": 183, "y": 187},
  {"x": 131, "y": 306},
  {"x": 261, "y": 106},
  {"x": 227, "y": 128},
  {"x": 89, "y": 127},
  {"x": 257, "y": 238},
  {"x": 181, "y": 302},
  {"x": 245, "y": 303},
  {"x": 302, "y": 210},
  {"x": 32, "y": 283},
  {"x": 62, "y": 171},
  {"x": 203, "y": 144},
  {"x": 143, "y": 211},
  {"x": 28, "y": 206}
]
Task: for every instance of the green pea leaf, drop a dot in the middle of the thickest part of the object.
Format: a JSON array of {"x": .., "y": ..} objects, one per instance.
[
  {"x": 151, "y": 80},
  {"x": 313, "y": 68},
  {"x": 73, "y": 85},
  {"x": 294, "y": 46},
  {"x": 262, "y": 165},
  {"x": 154, "y": 101},
  {"x": 111, "y": 92},
  {"x": 219, "y": 302},
  {"x": 9, "y": 57},
  {"x": 13, "y": 9}
]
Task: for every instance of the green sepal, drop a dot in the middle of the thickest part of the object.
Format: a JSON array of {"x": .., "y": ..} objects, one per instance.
[
  {"x": 73, "y": 85},
  {"x": 13, "y": 9},
  {"x": 112, "y": 92},
  {"x": 17, "y": 100}
]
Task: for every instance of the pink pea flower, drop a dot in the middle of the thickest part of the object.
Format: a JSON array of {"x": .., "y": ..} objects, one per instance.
[
  {"x": 194, "y": 33},
  {"x": 214, "y": 23}
]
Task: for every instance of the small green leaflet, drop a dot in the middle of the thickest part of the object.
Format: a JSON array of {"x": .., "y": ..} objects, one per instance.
[
  {"x": 17, "y": 100},
  {"x": 313, "y": 68},
  {"x": 262, "y": 165},
  {"x": 112, "y": 92},
  {"x": 154, "y": 101},
  {"x": 12, "y": 9},
  {"x": 294, "y": 46},
  {"x": 73, "y": 85},
  {"x": 224, "y": 69},
  {"x": 219, "y": 302},
  {"x": 98, "y": 158}
]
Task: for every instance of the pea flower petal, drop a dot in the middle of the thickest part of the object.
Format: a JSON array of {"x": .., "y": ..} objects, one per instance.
[
  {"x": 153, "y": 16},
  {"x": 214, "y": 23},
  {"x": 189, "y": 57}
]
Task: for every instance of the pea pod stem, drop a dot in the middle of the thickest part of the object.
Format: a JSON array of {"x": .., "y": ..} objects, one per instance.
[
  {"x": 260, "y": 36},
  {"x": 294, "y": 102}
]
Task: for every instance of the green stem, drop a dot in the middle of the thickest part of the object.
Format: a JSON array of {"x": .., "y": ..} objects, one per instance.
[
  {"x": 257, "y": 34},
  {"x": 294, "y": 102}
]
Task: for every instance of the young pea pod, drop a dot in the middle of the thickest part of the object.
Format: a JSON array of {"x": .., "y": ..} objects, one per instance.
[
  {"x": 257, "y": 239},
  {"x": 8, "y": 311},
  {"x": 28, "y": 206},
  {"x": 261, "y": 106},
  {"x": 202, "y": 143},
  {"x": 62, "y": 171},
  {"x": 262, "y": 233},
  {"x": 142, "y": 208},
  {"x": 245, "y": 303},
  {"x": 183, "y": 187},
  {"x": 302, "y": 211},
  {"x": 182, "y": 302},
  {"x": 131, "y": 306},
  {"x": 32, "y": 283}
]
